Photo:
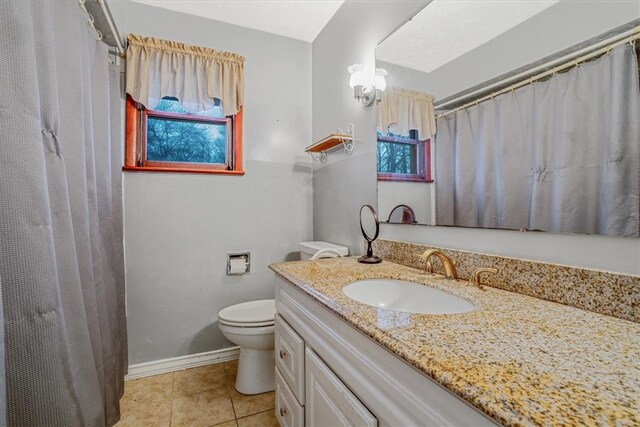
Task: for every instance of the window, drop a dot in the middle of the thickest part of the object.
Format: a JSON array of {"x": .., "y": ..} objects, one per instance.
[
  {"x": 404, "y": 158},
  {"x": 167, "y": 84},
  {"x": 170, "y": 138}
]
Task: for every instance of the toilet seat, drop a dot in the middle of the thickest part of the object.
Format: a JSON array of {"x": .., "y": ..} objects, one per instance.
[
  {"x": 252, "y": 314},
  {"x": 245, "y": 324}
]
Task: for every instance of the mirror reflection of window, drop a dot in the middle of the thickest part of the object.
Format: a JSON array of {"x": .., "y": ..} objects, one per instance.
[{"x": 403, "y": 157}]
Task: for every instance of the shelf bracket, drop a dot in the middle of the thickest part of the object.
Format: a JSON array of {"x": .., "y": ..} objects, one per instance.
[
  {"x": 347, "y": 143},
  {"x": 319, "y": 157}
]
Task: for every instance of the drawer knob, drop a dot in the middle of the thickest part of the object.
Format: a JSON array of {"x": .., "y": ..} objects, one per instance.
[
  {"x": 283, "y": 354},
  {"x": 283, "y": 411}
]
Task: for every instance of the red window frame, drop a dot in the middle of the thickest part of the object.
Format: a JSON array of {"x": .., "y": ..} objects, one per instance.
[
  {"x": 136, "y": 142},
  {"x": 423, "y": 157}
]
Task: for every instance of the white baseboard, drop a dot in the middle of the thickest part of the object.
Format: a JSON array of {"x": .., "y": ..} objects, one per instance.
[{"x": 163, "y": 366}]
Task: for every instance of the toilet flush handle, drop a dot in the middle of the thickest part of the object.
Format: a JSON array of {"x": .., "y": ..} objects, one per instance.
[{"x": 283, "y": 354}]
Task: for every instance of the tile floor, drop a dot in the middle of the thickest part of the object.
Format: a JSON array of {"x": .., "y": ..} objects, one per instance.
[{"x": 197, "y": 397}]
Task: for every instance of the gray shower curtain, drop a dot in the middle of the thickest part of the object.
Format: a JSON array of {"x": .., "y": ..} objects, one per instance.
[
  {"x": 61, "y": 255},
  {"x": 561, "y": 155}
]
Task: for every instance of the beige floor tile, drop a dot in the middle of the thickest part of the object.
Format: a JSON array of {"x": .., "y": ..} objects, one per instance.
[
  {"x": 153, "y": 414},
  {"x": 231, "y": 368},
  {"x": 248, "y": 405},
  {"x": 201, "y": 410},
  {"x": 227, "y": 424},
  {"x": 157, "y": 388},
  {"x": 200, "y": 379},
  {"x": 263, "y": 419}
]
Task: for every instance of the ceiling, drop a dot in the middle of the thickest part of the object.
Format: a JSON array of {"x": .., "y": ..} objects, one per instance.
[
  {"x": 447, "y": 29},
  {"x": 298, "y": 19}
]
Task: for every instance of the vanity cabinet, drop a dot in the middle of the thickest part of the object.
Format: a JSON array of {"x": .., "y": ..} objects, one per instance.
[
  {"x": 308, "y": 393},
  {"x": 331, "y": 374}
]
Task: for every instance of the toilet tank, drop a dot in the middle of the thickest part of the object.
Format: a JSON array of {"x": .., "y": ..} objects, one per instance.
[{"x": 308, "y": 249}]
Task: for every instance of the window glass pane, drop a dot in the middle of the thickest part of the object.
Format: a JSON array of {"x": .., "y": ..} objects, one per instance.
[
  {"x": 172, "y": 105},
  {"x": 397, "y": 157},
  {"x": 171, "y": 140}
]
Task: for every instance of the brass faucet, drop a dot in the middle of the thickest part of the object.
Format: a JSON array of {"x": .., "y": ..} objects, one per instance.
[
  {"x": 449, "y": 265},
  {"x": 475, "y": 277}
]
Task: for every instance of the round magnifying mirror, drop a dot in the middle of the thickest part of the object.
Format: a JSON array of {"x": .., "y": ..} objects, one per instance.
[{"x": 370, "y": 226}]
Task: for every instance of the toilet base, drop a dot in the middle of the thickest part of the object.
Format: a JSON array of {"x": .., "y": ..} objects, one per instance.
[{"x": 256, "y": 371}]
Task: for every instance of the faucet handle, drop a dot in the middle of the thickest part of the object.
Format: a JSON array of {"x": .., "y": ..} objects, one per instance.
[{"x": 475, "y": 277}]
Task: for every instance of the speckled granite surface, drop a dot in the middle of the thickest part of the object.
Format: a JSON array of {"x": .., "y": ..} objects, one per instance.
[
  {"x": 521, "y": 360},
  {"x": 612, "y": 294}
]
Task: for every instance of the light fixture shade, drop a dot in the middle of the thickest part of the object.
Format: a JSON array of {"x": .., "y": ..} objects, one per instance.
[
  {"x": 357, "y": 75},
  {"x": 380, "y": 81}
]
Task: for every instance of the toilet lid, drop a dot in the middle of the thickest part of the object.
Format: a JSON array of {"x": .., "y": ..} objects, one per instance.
[{"x": 249, "y": 312}]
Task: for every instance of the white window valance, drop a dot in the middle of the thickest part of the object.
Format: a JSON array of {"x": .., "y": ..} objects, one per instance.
[
  {"x": 195, "y": 75},
  {"x": 403, "y": 110}
]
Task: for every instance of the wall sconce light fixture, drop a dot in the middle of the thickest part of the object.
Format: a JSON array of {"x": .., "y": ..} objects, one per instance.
[{"x": 367, "y": 89}]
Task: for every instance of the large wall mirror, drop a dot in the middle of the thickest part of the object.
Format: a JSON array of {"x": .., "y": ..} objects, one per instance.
[{"x": 513, "y": 115}]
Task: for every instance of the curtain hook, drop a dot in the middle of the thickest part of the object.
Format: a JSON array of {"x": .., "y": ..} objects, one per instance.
[
  {"x": 91, "y": 20},
  {"x": 99, "y": 34}
]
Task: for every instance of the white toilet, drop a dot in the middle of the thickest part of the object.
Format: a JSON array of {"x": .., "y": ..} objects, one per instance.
[{"x": 250, "y": 325}]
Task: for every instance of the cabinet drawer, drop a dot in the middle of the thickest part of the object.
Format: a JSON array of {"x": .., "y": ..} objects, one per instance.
[
  {"x": 290, "y": 357},
  {"x": 288, "y": 411},
  {"x": 329, "y": 402}
]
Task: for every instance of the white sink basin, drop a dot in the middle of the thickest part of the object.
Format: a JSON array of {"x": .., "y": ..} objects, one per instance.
[{"x": 409, "y": 297}]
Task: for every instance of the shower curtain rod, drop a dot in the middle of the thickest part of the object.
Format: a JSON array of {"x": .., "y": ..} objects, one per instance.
[
  {"x": 104, "y": 11},
  {"x": 112, "y": 27},
  {"x": 630, "y": 36}
]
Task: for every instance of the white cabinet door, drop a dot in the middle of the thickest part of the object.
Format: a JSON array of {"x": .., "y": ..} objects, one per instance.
[
  {"x": 288, "y": 411},
  {"x": 328, "y": 401},
  {"x": 290, "y": 357}
]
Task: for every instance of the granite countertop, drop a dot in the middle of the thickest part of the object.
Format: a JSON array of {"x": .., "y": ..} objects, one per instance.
[{"x": 519, "y": 359}]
